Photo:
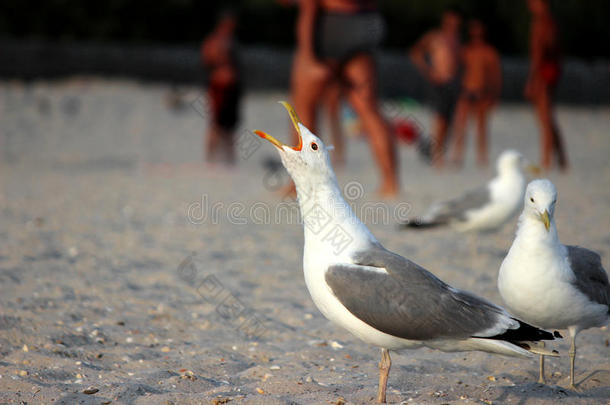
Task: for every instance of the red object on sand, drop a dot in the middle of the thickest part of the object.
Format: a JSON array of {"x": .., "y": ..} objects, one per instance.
[
  {"x": 406, "y": 130},
  {"x": 550, "y": 72}
]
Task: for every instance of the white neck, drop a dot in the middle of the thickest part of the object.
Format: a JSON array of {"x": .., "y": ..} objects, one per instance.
[
  {"x": 330, "y": 225},
  {"x": 510, "y": 173},
  {"x": 531, "y": 233}
]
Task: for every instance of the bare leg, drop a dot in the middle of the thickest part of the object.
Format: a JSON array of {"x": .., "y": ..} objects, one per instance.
[
  {"x": 306, "y": 93},
  {"x": 384, "y": 372},
  {"x": 558, "y": 145},
  {"x": 461, "y": 120},
  {"x": 541, "y": 379},
  {"x": 572, "y": 358},
  {"x": 228, "y": 146},
  {"x": 362, "y": 88},
  {"x": 482, "y": 111},
  {"x": 307, "y": 88},
  {"x": 332, "y": 101},
  {"x": 562, "y": 156},
  {"x": 213, "y": 141},
  {"x": 543, "y": 110},
  {"x": 441, "y": 126}
]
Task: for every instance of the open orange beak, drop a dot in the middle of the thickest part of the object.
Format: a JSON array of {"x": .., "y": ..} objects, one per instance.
[{"x": 295, "y": 121}]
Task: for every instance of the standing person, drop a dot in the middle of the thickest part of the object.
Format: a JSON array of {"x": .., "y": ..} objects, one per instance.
[
  {"x": 545, "y": 69},
  {"x": 224, "y": 88},
  {"x": 481, "y": 87},
  {"x": 335, "y": 41},
  {"x": 436, "y": 55},
  {"x": 332, "y": 102}
]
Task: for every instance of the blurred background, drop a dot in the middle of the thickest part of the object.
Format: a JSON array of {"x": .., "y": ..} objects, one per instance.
[
  {"x": 109, "y": 114},
  {"x": 159, "y": 40}
]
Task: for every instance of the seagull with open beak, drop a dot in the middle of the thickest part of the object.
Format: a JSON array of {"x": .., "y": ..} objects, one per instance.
[{"x": 381, "y": 297}]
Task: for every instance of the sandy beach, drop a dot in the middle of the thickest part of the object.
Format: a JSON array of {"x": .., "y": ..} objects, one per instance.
[{"x": 132, "y": 273}]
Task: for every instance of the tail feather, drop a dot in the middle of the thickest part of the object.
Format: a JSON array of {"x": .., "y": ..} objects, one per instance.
[
  {"x": 526, "y": 332},
  {"x": 529, "y": 338},
  {"x": 537, "y": 348}
]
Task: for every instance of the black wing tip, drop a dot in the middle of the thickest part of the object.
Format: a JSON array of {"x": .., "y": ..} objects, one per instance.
[
  {"x": 527, "y": 332},
  {"x": 528, "y": 347},
  {"x": 530, "y": 332},
  {"x": 417, "y": 223}
]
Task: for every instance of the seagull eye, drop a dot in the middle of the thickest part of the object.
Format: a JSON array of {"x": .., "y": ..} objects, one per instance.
[
  {"x": 314, "y": 146},
  {"x": 532, "y": 199}
]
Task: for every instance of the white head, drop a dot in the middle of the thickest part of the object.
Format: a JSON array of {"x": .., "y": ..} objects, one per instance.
[
  {"x": 540, "y": 199},
  {"x": 509, "y": 161},
  {"x": 308, "y": 162}
]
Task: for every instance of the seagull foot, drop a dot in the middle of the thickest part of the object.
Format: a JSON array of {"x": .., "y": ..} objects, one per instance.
[{"x": 384, "y": 371}]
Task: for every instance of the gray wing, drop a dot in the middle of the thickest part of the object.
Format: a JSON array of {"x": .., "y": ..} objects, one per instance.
[
  {"x": 458, "y": 207},
  {"x": 591, "y": 278},
  {"x": 410, "y": 302}
]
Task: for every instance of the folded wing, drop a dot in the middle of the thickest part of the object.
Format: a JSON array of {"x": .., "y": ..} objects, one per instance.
[
  {"x": 591, "y": 278},
  {"x": 442, "y": 213},
  {"x": 400, "y": 298}
]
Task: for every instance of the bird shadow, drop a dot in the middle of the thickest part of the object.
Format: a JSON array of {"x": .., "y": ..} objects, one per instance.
[
  {"x": 593, "y": 374},
  {"x": 525, "y": 392}
]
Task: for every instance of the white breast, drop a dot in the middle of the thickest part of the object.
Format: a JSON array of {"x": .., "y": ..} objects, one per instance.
[
  {"x": 321, "y": 294},
  {"x": 536, "y": 285}
]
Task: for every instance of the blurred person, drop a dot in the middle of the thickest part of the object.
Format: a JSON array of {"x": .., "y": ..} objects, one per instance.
[
  {"x": 335, "y": 41},
  {"x": 331, "y": 101},
  {"x": 224, "y": 89},
  {"x": 480, "y": 90},
  {"x": 544, "y": 73},
  {"x": 436, "y": 56}
]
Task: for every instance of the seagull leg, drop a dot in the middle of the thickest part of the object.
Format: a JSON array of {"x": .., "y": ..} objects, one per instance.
[
  {"x": 572, "y": 357},
  {"x": 541, "y": 379},
  {"x": 384, "y": 372}
]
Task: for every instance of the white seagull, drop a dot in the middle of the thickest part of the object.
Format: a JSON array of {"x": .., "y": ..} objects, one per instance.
[
  {"x": 486, "y": 208},
  {"x": 549, "y": 284},
  {"x": 381, "y": 297}
]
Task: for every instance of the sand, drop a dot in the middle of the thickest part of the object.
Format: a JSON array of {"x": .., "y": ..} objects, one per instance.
[{"x": 131, "y": 273}]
